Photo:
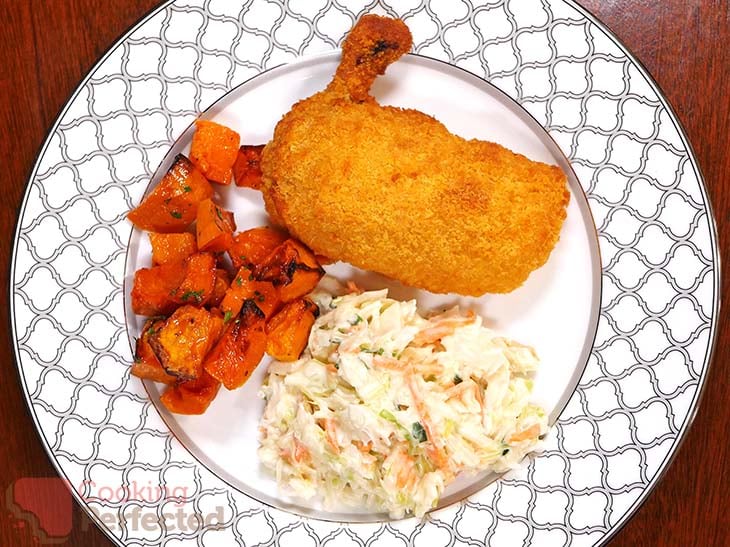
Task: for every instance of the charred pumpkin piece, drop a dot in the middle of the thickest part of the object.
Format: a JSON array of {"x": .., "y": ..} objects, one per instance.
[
  {"x": 240, "y": 348},
  {"x": 172, "y": 248},
  {"x": 287, "y": 332},
  {"x": 214, "y": 150},
  {"x": 173, "y": 204},
  {"x": 253, "y": 246},
  {"x": 244, "y": 287},
  {"x": 191, "y": 396},
  {"x": 197, "y": 286},
  {"x": 291, "y": 268},
  {"x": 214, "y": 227},
  {"x": 154, "y": 288},
  {"x": 184, "y": 340},
  {"x": 219, "y": 288},
  {"x": 247, "y": 168},
  {"x": 146, "y": 364}
]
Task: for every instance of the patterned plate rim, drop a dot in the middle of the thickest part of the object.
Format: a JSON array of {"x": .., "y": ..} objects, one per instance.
[
  {"x": 643, "y": 71},
  {"x": 712, "y": 222}
]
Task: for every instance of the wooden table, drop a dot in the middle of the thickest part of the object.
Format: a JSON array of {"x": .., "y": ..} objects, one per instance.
[{"x": 47, "y": 47}]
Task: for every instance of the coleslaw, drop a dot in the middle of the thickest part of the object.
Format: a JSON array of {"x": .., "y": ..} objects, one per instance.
[{"x": 386, "y": 407}]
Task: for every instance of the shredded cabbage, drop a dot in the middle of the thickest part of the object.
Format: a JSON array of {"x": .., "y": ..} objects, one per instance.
[{"x": 386, "y": 407}]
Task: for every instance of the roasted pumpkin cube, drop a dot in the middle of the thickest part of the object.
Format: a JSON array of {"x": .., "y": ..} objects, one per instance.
[
  {"x": 240, "y": 348},
  {"x": 245, "y": 287},
  {"x": 219, "y": 288},
  {"x": 173, "y": 204},
  {"x": 154, "y": 288},
  {"x": 198, "y": 285},
  {"x": 247, "y": 168},
  {"x": 287, "y": 332},
  {"x": 185, "y": 339},
  {"x": 214, "y": 227},
  {"x": 172, "y": 248},
  {"x": 191, "y": 396},
  {"x": 146, "y": 364},
  {"x": 253, "y": 246},
  {"x": 214, "y": 150},
  {"x": 292, "y": 268}
]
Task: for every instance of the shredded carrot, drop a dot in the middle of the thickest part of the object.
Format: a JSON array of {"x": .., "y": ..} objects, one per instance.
[
  {"x": 532, "y": 431},
  {"x": 405, "y": 475},
  {"x": 365, "y": 448},
  {"x": 330, "y": 430},
  {"x": 434, "y": 450},
  {"x": 388, "y": 363},
  {"x": 301, "y": 453},
  {"x": 442, "y": 328}
]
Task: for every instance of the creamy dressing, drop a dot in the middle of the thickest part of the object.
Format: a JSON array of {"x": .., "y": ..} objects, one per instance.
[{"x": 386, "y": 407}]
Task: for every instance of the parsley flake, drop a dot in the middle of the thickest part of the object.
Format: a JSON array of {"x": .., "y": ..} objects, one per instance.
[
  {"x": 418, "y": 432},
  {"x": 197, "y": 295}
]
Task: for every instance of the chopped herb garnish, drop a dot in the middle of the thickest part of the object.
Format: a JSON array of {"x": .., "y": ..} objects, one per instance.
[
  {"x": 367, "y": 349},
  {"x": 187, "y": 189},
  {"x": 337, "y": 366},
  {"x": 151, "y": 331},
  {"x": 419, "y": 433},
  {"x": 243, "y": 258},
  {"x": 387, "y": 415},
  {"x": 357, "y": 320},
  {"x": 395, "y": 354},
  {"x": 457, "y": 379},
  {"x": 542, "y": 437},
  {"x": 343, "y": 331},
  {"x": 505, "y": 451},
  {"x": 239, "y": 281},
  {"x": 430, "y": 378},
  {"x": 218, "y": 213},
  {"x": 227, "y": 316},
  {"x": 168, "y": 200},
  {"x": 137, "y": 359},
  {"x": 250, "y": 277},
  {"x": 197, "y": 295},
  {"x": 175, "y": 214}
]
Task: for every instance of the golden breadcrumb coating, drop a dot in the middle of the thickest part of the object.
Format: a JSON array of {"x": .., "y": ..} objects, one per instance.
[{"x": 392, "y": 191}]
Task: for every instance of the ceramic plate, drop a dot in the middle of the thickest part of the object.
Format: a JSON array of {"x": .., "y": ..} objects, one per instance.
[{"x": 623, "y": 314}]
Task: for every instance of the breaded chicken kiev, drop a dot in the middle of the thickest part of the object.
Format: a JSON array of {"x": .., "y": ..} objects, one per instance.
[{"x": 392, "y": 191}]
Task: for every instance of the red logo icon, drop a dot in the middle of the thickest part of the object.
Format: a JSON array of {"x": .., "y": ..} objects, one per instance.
[{"x": 44, "y": 505}]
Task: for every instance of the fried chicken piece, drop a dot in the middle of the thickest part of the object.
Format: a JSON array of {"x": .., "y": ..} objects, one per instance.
[{"x": 392, "y": 191}]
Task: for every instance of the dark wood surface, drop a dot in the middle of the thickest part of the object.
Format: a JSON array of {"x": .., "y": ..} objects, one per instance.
[{"x": 46, "y": 47}]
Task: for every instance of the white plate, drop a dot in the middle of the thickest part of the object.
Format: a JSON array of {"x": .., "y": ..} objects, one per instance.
[
  {"x": 568, "y": 286},
  {"x": 659, "y": 267}
]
